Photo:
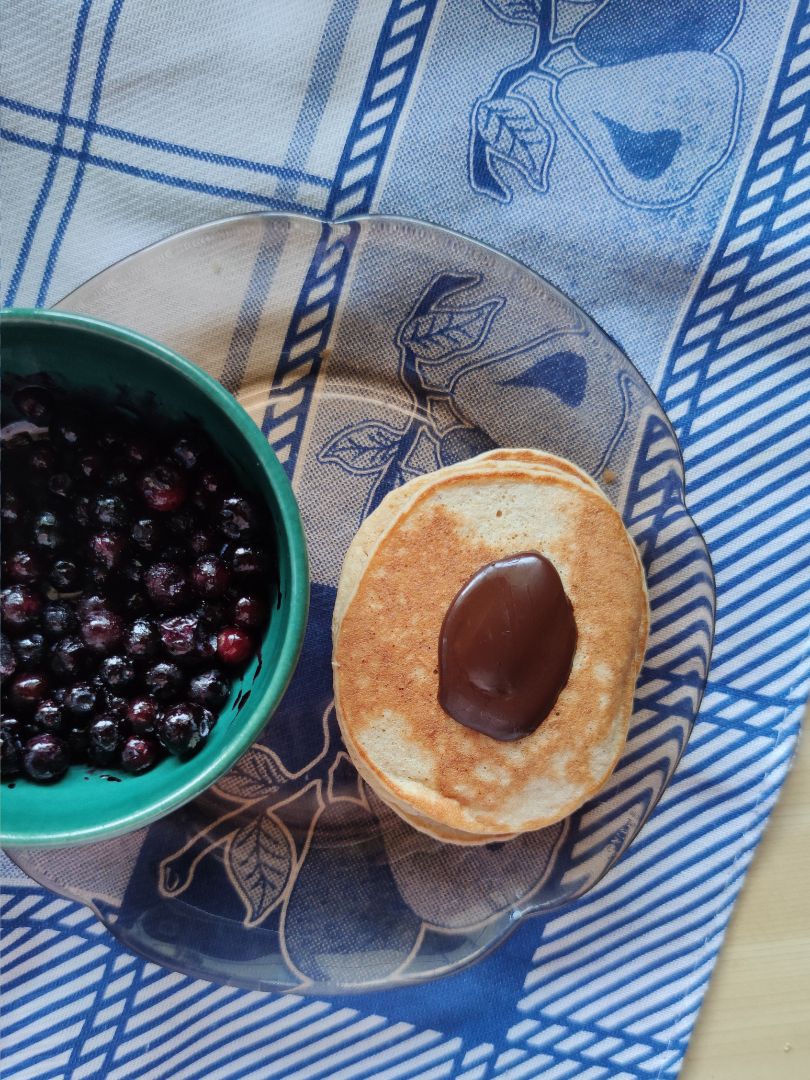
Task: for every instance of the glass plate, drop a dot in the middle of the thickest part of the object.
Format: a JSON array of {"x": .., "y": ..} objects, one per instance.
[{"x": 370, "y": 351}]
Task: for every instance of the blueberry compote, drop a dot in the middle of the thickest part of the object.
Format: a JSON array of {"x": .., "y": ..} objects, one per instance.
[{"x": 138, "y": 575}]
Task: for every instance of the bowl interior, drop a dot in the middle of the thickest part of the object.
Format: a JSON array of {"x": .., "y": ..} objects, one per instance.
[{"x": 85, "y": 355}]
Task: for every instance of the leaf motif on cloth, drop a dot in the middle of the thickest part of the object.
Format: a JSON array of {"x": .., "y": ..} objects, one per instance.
[
  {"x": 258, "y": 774},
  {"x": 362, "y": 449},
  {"x": 513, "y": 130},
  {"x": 259, "y": 862}
]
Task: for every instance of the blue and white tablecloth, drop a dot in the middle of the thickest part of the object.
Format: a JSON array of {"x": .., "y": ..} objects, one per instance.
[{"x": 651, "y": 158}]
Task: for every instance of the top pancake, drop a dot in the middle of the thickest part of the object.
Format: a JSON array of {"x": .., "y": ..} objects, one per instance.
[{"x": 386, "y": 642}]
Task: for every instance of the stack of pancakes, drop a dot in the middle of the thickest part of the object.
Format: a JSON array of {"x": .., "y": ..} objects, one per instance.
[{"x": 401, "y": 573}]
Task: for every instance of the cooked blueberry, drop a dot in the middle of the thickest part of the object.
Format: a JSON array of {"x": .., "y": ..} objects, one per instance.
[
  {"x": 29, "y": 652},
  {"x": 205, "y": 646},
  {"x": 116, "y": 476},
  {"x": 183, "y": 728},
  {"x": 60, "y": 484},
  {"x": 68, "y": 658},
  {"x": 26, "y": 690},
  {"x": 78, "y": 743},
  {"x": 188, "y": 450},
  {"x": 101, "y": 630},
  {"x": 249, "y": 612},
  {"x": 214, "y": 613},
  {"x": 104, "y": 737},
  {"x": 12, "y": 512},
  {"x": 136, "y": 450},
  {"x": 82, "y": 511},
  {"x": 20, "y": 607},
  {"x": 236, "y": 517},
  {"x": 164, "y": 681},
  {"x": 45, "y": 757},
  {"x": 202, "y": 541},
  {"x": 8, "y": 661},
  {"x": 81, "y": 700},
  {"x": 47, "y": 532},
  {"x": 147, "y": 534},
  {"x": 90, "y": 602},
  {"x": 209, "y": 688},
  {"x": 110, "y": 702},
  {"x": 166, "y": 584},
  {"x": 181, "y": 523},
  {"x": 49, "y": 717},
  {"x": 64, "y": 575},
  {"x": 178, "y": 634},
  {"x": 248, "y": 561},
  {"x": 11, "y": 751},
  {"x": 138, "y": 754},
  {"x": 58, "y": 619},
  {"x": 24, "y": 567},
  {"x": 133, "y": 570},
  {"x": 142, "y": 715},
  {"x": 234, "y": 646},
  {"x": 117, "y": 672},
  {"x": 111, "y": 510},
  {"x": 212, "y": 484},
  {"x": 106, "y": 548},
  {"x": 97, "y": 577},
  {"x": 90, "y": 465},
  {"x": 41, "y": 463},
  {"x": 210, "y": 576},
  {"x": 163, "y": 488},
  {"x": 35, "y": 403},
  {"x": 67, "y": 430},
  {"x": 141, "y": 639}
]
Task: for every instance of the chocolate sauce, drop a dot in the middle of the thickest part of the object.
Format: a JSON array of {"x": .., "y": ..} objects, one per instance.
[{"x": 506, "y": 647}]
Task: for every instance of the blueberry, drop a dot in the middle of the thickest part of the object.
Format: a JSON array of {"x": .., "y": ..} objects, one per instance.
[
  {"x": 188, "y": 450},
  {"x": 202, "y": 541},
  {"x": 90, "y": 602},
  {"x": 35, "y": 403},
  {"x": 213, "y": 613},
  {"x": 205, "y": 646},
  {"x": 41, "y": 463},
  {"x": 213, "y": 484},
  {"x": 236, "y": 517},
  {"x": 111, "y": 703},
  {"x": 209, "y": 688},
  {"x": 181, "y": 523},
  {"x": 163, "y": 488},
  {"x": 58, "y": 619},
  {"x": 147, "y": 534},
  {"x": 12, "y": 512},
  {"x": 47, "y": 532},
  {"x": 78, "y": 743},
  {"x": 82, "y": 511},
  {"x": 8, "y": 661},
  {"x": 49, "y": 717},
  {"x": 81, "y": 701},
  {"x": 20, "y": 607},
  {"x": 26, "y": 690},
  {"x": 133, "y": 570},
  {"x": 210, "y": 576},
  {"x": 248, "y": 561},
  {"x": 166, "y": 585},
  {"x": 111, "y": 511},
  {"x": 67, "y": 430},
  {"x": 141, "y": 639},
  {"x": 101, "y": 630},
  {"x": 116, "y": 476},
  {"x": 97, "y": 577},
  {"x": 90, "y": 465},
  {"x": 164, "y": 681},
  {"x": 29, "y": 652},
  {"x": 249, "y": 612},
  {"x": 64, "y": 575},
  {"x": 104, "y": 738},
  {"x": 142, "y": 715},
  {"x": 68, "y": 658},
  {"x": 138, "y": 754},
  {"x": 23, "y": 567},
  {"x": 11, "y": 751},
  {"x": 106, "y": 548},
  {"x": 234, "y": 646},
  {"x": 117, "y": 672},
  {"x": 183, "y": 728},
  {"x": 179, "y": 634},
  {"x": 60, "y": 484},
  {"x": 46, "y": 757}
]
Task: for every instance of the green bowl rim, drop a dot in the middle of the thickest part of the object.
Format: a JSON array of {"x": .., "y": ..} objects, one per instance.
[{"x": 260, "y": 711}]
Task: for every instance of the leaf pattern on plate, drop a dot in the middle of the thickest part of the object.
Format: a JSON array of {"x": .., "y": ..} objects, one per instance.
[
  {"x": 447, "y": 332},
  {"x": 259, "y": 863}
]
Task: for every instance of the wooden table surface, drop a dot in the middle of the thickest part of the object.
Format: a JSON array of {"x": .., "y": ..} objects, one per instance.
[{"x": 755, "y": 1020}]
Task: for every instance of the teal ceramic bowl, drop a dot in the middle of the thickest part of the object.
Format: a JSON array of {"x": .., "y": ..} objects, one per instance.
[{"x": 84, "y": 354}]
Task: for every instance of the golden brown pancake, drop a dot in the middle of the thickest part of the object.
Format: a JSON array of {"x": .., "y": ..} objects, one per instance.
[{"x": 454, "y": 782}]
